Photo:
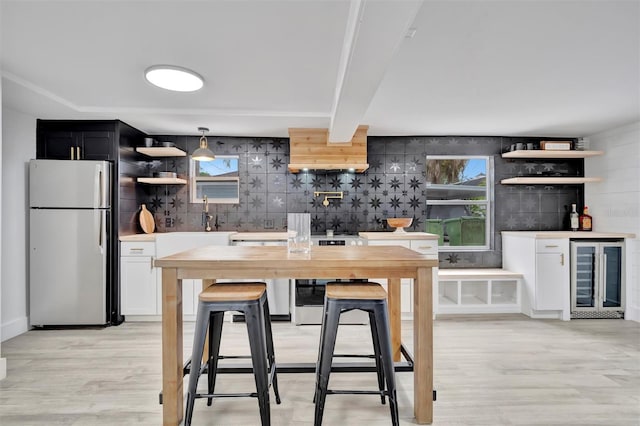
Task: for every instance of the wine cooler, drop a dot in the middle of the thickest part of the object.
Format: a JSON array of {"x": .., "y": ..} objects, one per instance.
[{"x": 597, "y": 279}]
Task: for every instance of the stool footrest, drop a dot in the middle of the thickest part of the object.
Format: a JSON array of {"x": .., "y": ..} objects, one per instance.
[
  {"x": 354, "y": 356},
  {"x": 356, "y": 392},
  {"x": 226, "y": 395}
]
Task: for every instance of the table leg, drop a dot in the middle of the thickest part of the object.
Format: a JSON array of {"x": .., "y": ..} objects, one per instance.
[
  {"x": 423, "y": 347},
  {"x": 172, "y": 362},
  {"x": 395, "y": 320}
]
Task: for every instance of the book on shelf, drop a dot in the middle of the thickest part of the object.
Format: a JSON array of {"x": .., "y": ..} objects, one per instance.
[{"x": 555, "y": 145}]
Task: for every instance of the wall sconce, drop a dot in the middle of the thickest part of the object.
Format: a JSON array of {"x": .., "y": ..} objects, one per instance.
[
  {"x": 203, "y": 153},
  {"x": 328, "y": 194}
]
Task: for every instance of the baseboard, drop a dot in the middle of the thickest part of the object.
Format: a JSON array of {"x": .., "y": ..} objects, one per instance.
[
  {"x": 14, "y": 328},
  {"x": 633, "y": 314}
]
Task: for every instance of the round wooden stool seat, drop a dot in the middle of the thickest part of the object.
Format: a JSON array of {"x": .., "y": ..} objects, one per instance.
[
  {"x": 228, "y": 292},
  {"x": 367, "y": 291}
]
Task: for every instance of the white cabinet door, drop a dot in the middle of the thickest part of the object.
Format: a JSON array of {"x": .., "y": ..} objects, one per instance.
[
  {"x": 552, "y": 273},
  {"x": 138, "y": 285}
]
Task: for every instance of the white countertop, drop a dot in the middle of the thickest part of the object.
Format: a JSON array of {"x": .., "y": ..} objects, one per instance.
[
  {"x": 259, "y": 236},
  {"x": 566, "y": 234},
  {"x": 398, "y": 236}
]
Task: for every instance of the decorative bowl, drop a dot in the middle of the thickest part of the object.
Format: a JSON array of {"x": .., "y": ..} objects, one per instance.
[{"x": 399, "y": 223}]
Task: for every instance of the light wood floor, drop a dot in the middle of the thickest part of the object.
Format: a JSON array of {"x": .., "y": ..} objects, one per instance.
[{"x": 498, "y": 370}]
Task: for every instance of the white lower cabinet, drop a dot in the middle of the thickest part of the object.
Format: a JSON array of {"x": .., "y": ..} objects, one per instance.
[
  {"x": 544, "y": 264},
  {"x": 552, "y": 274},
  {"x": 138, "y": 279},
  {"x": 141, "y": 284}
]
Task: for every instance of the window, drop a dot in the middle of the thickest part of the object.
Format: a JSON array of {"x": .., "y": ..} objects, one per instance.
[
  {"x": 219, "y": 180},
  {"x": 459, "y": 196}
]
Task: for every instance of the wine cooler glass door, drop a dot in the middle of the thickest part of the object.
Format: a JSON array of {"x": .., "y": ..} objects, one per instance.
[
  {"x": 611, "y": 276},
  {"x": 584, "y": 293}
]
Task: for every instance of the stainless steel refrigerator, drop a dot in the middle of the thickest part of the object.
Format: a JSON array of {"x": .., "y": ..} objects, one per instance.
[{"x": 69, "y": 262}]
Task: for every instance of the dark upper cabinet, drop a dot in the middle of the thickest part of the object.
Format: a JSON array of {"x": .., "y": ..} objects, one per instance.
[
  {"x": 80, "y": 145},
  {"x": 63, "y": 140},
  {"x": 97, "y": 145},
  {"x": 56, "y": 145}
]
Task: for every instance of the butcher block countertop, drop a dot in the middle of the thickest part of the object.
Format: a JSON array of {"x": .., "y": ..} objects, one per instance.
[
  {"x": 138, "y": 238},
  {"x": 398, "y": 236},
  {"x": 567, "y": 234}
]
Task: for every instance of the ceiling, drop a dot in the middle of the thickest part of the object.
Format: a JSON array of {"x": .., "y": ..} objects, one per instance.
[{"x": 502, "y": 68}]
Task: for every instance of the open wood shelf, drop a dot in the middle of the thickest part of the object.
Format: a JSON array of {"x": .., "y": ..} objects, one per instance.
[
  {"x": 161, "y": 151},
  {"x": 542, "y": 154},
  {"x": 559, "y": 180},
  {"x": 162, "y": 181}
]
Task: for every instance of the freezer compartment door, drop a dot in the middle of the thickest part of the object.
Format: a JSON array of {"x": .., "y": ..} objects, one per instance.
[
  {"x": 68, "y": 267},
  {"x": 69, "y": 184}
]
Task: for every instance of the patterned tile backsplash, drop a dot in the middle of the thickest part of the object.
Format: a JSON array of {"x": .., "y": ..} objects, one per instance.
[{"x": 393, "y": 186}]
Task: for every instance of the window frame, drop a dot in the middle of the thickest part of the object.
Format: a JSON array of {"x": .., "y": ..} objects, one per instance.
[
  {"x": 488, "y": 202},
  {"x": 193, "y": 180}
]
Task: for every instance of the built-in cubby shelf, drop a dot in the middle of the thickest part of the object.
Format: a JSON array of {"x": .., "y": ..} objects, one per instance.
[
  {"x": 543, "y": 154},
  {"x": 162, "y": 181},
  {"x": 161, "y": 151},
  {"x": 478, "y": 290},
  {"x": 546, "y": 180}
]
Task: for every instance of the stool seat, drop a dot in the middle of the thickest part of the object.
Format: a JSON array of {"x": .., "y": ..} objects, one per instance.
[
  {"x": 368, "y": 291},
  {"x": 229, "y": 292}
]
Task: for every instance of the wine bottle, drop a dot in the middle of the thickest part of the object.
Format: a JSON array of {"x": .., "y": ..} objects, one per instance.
[
  {"x": 574, "y": 218},
  {"x": 586, "y": 222}
]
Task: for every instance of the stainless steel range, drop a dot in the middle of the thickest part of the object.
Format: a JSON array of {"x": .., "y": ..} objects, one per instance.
[{"x": 308, "y": 294}]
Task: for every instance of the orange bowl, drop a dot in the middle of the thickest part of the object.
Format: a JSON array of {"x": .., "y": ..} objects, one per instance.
[{"x": 399, "y": 222}]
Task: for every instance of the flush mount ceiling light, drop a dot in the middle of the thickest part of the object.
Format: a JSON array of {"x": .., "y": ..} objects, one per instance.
[
  {"x": 174, "y": 78},
  {"x": 203, "y": 153}
]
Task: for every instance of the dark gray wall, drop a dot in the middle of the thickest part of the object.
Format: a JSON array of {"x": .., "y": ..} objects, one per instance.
[{"x": 394, "y": 186}]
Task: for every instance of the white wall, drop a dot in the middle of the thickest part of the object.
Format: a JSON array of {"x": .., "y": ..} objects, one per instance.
[
  {"x": 614, "y": 203},
  {"x": 3, "y": 361},
  {"x": 19, "y": 137}
]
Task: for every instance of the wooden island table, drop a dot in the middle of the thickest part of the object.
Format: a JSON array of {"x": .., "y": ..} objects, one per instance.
[{"x": 264, "y": 262}]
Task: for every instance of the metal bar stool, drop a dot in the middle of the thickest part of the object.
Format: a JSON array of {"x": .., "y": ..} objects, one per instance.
[
  {"x": 251, "y": 300},
  {"x": 369, "y": 297}
]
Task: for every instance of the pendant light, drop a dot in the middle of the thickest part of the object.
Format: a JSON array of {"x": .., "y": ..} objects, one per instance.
[{"x": 203, "y": 153}]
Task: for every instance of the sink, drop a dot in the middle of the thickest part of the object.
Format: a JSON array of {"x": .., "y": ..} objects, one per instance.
[{"x": 175, "y": 242}]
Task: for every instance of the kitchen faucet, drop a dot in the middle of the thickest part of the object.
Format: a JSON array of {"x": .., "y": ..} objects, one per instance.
[{"x": 206, "y": 217}]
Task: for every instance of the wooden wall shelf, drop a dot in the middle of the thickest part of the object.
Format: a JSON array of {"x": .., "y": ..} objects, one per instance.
[
  {"x": 542, "y": 154},
  {"x": 549, "y": 180},
  {"x": 161, "y": 151},
  {"x": 162, "y": 181}
]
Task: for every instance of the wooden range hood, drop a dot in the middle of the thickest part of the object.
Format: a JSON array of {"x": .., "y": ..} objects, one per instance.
[{"x": 311, "y": 149}]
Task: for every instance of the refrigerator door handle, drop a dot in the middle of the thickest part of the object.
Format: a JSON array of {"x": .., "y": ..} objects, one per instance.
[
  {"x": 101, "y": 214},
  {"x": 603, "y": 277},
  {"x": 101, "y": 183}
]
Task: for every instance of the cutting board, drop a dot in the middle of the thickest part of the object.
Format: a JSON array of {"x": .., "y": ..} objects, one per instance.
[{"x": 147, "y": 223}]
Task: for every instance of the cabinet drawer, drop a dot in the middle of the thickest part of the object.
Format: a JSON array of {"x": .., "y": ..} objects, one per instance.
[
  {"x": 550, "y": 246},
  {"x": 137, "y": 249},
  {"x": 429, "y": 247}
]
